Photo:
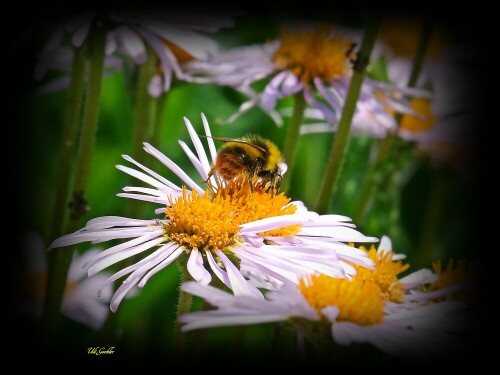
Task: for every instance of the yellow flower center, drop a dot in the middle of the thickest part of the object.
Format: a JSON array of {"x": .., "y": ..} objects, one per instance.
[
  {"x": 402, "y": 34},
  {"x": 454, "y": 273},
  {"x": 212, "y": 221},
  {"x": 318, "y": 52},
  {"x": 415, "y": 124},
  {"x": 385, "y": 274},
  {"x": 358, "y": 302}
]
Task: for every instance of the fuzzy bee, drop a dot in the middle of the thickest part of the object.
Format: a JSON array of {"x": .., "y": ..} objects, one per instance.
[{"x": 250, "y": 157}]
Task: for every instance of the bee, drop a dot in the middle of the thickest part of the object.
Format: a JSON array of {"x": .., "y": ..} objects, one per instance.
[{"x": 250, "y": 157}]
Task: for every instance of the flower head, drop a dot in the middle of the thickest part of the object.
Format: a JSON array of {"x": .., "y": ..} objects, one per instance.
[
  {"x": 313, "y": 60},
  {"x": 175, "y": 38},
  {"x": 352, "y": 311},
  {"x": 213, "y": 229}
]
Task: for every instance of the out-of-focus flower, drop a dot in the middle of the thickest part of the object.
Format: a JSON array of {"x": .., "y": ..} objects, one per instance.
[
  {"x": 313, "y": 60},
  {"x": 80, "y": 300},
  {"x": 213, "y": 229},
  {"x": 175, "y": 37},
  {"x": 352, "y": 310}
]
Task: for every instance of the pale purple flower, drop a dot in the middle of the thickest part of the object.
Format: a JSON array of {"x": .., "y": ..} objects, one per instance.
[
  {"x": 425, "y": 332},
  {"x": 243, "y": 66},
  {"x": 129, "y": 32}
]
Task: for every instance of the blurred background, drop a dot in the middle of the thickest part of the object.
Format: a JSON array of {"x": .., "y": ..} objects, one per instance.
[{"x": 424, "y": 208}]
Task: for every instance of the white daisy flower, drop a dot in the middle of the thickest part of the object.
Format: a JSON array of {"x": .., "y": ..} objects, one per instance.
[
  {"x": 215, "y": 228},
  {"x": 175, "y": 37},
  {"x": 80, "y": 301},
  {"x": 352, "y": 309},
  {"x": 316, "y": 61}
]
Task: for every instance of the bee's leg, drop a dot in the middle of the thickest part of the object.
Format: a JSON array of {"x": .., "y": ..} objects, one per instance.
[{"x": 207, "y": 181}]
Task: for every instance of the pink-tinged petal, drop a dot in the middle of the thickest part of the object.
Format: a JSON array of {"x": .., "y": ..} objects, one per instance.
[
  {"x": 214, "y": 296},
  {"x": 161, "y": 266},
  {"x": 120, "y": 294},
  {"x": 124, "y": 246},
  {"x": 196, "y": 269},
  {"x": 194, "y": 160},
  {"x": 344, "y": 333},
  {"x": 200, "y": 150},
  {"x": 226, "y": 321},
  {"x": 157, "y": 176},
  {"x": 151, "y": 261},
  {"x": 422, "y": 276},
  {"x": 105, "y": 222},
  {"x": 141, "y": 176},
  {"x": 219, "y": 272},
  {"x": 81, "y": 33},
  {"x": 155, "y": 88},
  {"x": 132, "y": 44},
  {"x": 331, "y": 312},
  {"x": 162, "y": 51},
  {"x": 276, "y": 222},
  {"x": 173, "y": 167},
  {"x": 109, "y": 260},
  {"x": 197, "y": 45},
  {"x": 210, "y": 141},
  {"x": 239, "y": 285}
]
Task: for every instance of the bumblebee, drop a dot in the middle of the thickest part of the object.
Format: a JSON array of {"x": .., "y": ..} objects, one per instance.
[{"x": 249, "y": 158}]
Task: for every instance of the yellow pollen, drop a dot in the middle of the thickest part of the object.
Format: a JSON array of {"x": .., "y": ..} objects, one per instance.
[
  {"x": 318, "y": 52},
  {"x": 454, "y": 273},
  {"x": 385, "y": 274},
  {"x": 358, "y": 302},
  {"x": 415, "y": 124},
  {"x": 212, "y": 221}
]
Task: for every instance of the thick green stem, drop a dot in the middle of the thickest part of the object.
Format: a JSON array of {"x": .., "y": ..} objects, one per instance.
[
  {"x": 183, "y": 307},
  {"x": 59, "y": 260},
  {"x": 200, "y": 335},
  {"x": 292, "y": 138},
  {"x": 433, "y": 212},
  {"x": 143, "y": 118},
  {"x": 370, "y": 183},
  {"x": 143, "y": 106},
  {"x": 68, "y": 142},
  {"x": 341, "y": 139}
]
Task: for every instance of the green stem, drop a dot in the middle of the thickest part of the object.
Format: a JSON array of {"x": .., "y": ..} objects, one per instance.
[
  {"x": 433, "y": 212},
  {"x": 200, "y": 336},
  {"x": 292, "y": 138},
  {"x": 143, "y": 106},
  {"x": 341, "y": 139},
  {"x": 183, "y": 306},
  {"x": 68, "y": 142},
  {"x": 59, "y": 261},
  {"x": 161, "y": 104},
  {"x": 369, "y": 186},
  {"x": 143, "y": 118}
]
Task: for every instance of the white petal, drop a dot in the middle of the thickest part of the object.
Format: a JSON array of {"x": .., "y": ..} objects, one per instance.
[
  {"x": 118, "y": 256},
  {"x": 276, "y": 222},
  {"x": 132, "y": 44},
  {"x": 173, "y": 167},
  {"x": 211, "y": 144},
  {"x": 239, "y": 285},
  {"x": 196, "y": 269},
  {"x": 161, "y": 266},
  {"x": 219, "y": 272}
]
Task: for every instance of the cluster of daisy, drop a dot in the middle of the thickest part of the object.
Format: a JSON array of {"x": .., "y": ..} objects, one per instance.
[
  {"x": 251, "y": 252},
  {"x": 253, "y": 240}
]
